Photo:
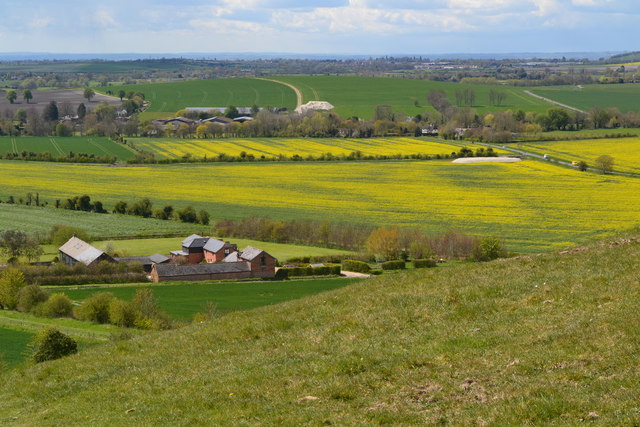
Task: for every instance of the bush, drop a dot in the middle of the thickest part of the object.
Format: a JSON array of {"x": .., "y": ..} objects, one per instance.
[
  {"x": 30, "y": 296},
  {"x": 95, "y": 308},
  {"x": 424, "y": 263},
  {"x": 123, "y": 313},
  {"x": 151, "y": 317},
  {"x": 394, "y": 265},
  {"x": 488, "y": 249},
  {"x": 355, "y": 266},
  {"x": 312, "y": 271},
  {"x": 58, "y": 305},
  {"x": 51, "y": 344},
  {"x": 11, "y": 281},
  {"x": 61, "y": 233},
  {"x": 281, "y": 274}
]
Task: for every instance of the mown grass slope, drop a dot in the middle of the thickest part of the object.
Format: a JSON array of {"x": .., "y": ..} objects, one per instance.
[{"x": 549, "y": 339}]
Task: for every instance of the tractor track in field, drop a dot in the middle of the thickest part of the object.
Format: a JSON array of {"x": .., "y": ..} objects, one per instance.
[
  {"x": 295, "y": 89},
  {"x": 568, "y": 107}
]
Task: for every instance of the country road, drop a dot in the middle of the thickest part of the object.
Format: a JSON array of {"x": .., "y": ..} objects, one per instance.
[{"x": 295, "y": 89}]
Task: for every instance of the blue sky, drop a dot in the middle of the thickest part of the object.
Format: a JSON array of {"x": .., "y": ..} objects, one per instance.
[{"x": 310, "y": 26}]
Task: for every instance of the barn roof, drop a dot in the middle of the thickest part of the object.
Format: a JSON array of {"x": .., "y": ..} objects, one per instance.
[
  {"x": 194, "y": 241},
  {"x": 249, "y": 253},
  {"x": 214, "y": 245},
  {"x": 175, "y": 270},
  {"x": 232, "y": 257},
  {"x": 80, "y": 250},
  {"x": 159, "y": 258}
]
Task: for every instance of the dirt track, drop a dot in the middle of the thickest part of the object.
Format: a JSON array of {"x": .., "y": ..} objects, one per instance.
[
  {"x": 295, "y": 89},
  {"x": 41, "y": 98}
]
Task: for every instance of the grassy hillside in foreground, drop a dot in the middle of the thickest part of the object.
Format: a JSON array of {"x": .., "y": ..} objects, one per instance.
[{"x": 548, "y": 339}]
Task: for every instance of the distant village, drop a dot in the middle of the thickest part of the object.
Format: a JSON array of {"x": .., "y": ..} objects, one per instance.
[{"x": 201, "y": 258}]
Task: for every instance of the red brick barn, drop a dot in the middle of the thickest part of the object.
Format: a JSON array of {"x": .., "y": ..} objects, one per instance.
[
  {"x": 262, "y": 264},
  {"x": 216, "y": 250},
  {"x": 192, "y": 249}
]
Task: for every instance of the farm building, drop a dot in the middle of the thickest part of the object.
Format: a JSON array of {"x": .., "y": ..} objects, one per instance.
[
  {"x": 147, "y": 261},
  {"x": 262, "y": 264},
  {"x": 219, "y": 271},
  {"x": 78, "y": 251},
  {"x": 216, "y": 250},
  {"x": 192, "y": 249}
]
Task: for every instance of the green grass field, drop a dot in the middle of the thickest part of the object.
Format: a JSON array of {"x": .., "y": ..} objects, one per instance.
[
  {"x": 241, "y": 92},
  {"x": 182, "y": 301},
  {"x": 357, "y": 96},
  {"x": 142, "y": 247},
  {"x": 540, "y": 340},
  {"x": 622, "y": 96},
  {"x": 99, "y": 146},
  {"x": 40, "y": 220},
  {"x": 531, "y": 205},
  {"x": 13, "y": 345}
]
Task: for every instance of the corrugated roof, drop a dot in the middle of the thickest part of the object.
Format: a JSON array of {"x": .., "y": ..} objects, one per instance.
[
  {"x": 232, "y": 257},
  {"x": 214, "y": 245},
  {"x": 159, "y": 258},
  {"x": 194, "y": 241},
  {"x": 80, "y": 250},
  {"x": 249, "y": 253},
  {"x": 175, "y": 270}
]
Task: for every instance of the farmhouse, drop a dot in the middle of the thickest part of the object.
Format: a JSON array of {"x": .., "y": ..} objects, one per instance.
[
  {"x": 78, "y": 251},
  {"x": 216, "y": 250},
  {"x": 192, "y": 249}
]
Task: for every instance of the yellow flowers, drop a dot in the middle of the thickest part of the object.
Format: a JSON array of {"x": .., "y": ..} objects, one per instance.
[{"x": 170, "y": 148}]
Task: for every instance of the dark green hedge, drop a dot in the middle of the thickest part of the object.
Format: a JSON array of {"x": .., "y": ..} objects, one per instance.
[
  {"x": 424, "y": 263},
  {"x": 331, "y": 270},
  {"x": 355, "y": 266},
  {"x": 393, "y": 265}
]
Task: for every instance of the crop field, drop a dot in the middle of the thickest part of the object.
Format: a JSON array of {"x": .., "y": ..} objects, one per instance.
[
  {"x": 625, "y": 151},
  {"x": 241, "y": 92},
  {"x": 41, "y": 99},
  {"x": 622, "y": 96},
  {"x": 175, "y": 148},
  {"x": 13, "y": 345},
  {"x": 534, "y": 206},
  {"x": 41, "y": 219},
  {"x": 99, "y": 146},
  {"x": 182, "y": 301},
  {"x": 357, "y": 96}
]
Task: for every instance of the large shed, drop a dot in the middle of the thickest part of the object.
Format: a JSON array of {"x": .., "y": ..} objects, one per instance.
[{"x": 78, "y": 251}]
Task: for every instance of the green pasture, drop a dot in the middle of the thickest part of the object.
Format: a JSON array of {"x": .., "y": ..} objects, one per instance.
[
  {"x": 625, "y": 97},
  {"x": 183, "y": 300},
  {"x": 40, "y": 220},
  {"x": 242, "y": 92},
  {"x": 13, "y": 345},
  {"x": 357, "y": 96},
  {"x": 99, "y": 146}
]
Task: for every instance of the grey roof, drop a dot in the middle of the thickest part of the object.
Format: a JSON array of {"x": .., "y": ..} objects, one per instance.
[
  {"x": 249, "y": 253},
  {"x": 194, "y": 241},
  {"x": 214, "y": 245},
  {"x": 232, "y": 257},
  {"x": 80, "y": 250},
  {"x": 159, "y": 258},
  {"x": 242, "y": 110},
  {"x": 141, "y": 259},
  {"x": 175, "y": 270},
  {"x": 179, "y": 253}
]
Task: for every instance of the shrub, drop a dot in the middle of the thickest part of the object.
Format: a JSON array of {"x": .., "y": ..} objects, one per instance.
[
  {"x": 394, "y": 265},
  {"x": 123, "y": 313},
  {"x": 58, "y": 305},
  {"x": 11, "y": 281},
  {"x": 355, "y": 266},
  {"x": 30, "y": 296},
  {"x": 95, "y": 308},
  {"x": 281, "y": 274},
  {"x": 488, "y": 249},
  {"x": 424, "y": 263},
  {"x": 51, "y": 344},
  {"x": 151, "y": 317},
  {"x": 312, "y": 271},
  {"x": 61, "y": 233}
]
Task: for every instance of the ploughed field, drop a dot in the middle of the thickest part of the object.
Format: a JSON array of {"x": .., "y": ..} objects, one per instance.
[
  {"x": 41, "y": 99},
  {"x": 62, "y": 147},
  {"x": 533, "y": 206},
  {"x": 176, "y": 148}
]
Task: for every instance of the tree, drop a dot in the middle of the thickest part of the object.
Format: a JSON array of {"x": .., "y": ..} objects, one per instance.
[
  {"x": 63, "y": 130},
  {"x": 384, "y": 242},
  {"x": 82, "y": 111},
  {"x": 27, "y": 95},
  {"x": 12, "y": 96},
  {"x": 121, "y": 94},
  {"x": 50, "y": 112},
  {"x": 60, "y": 234},
  {"x": 188, "y": 214},
  {"x": 11, "y": 281},
  {"x": 51, "y": 344},
  {"x": 143, "y": 208},
  {"x": 30, "y": 296},
  {"x": 203, "y": 217},
  {"x": 120, "y": 207},
  {"x": 95, "y": 308},
  {"x": 383, "y": 112},
  {"x": 604, "y": 163},
  {"x": 89, "y": 93},
  {"x": 488, "y": 249},
  {"x": 583, "y": 166},
  {"x": 231, "y": 112},
  {"x": 14, "y": 244}
]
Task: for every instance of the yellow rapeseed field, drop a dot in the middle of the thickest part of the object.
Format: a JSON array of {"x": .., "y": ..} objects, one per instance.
[
  {"x": 625, "y": 151},
  {"x": 532, "y": 205},
  {"x": 175, "y": 148}
]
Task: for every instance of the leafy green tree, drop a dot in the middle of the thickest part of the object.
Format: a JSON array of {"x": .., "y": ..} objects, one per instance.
[
  {"x": 95, "y": 308},
  {"x": 488, "y": 249},
  {"x": 89, "y": 93},
  {"x": 51, "y": 344},
  {"x": 60, "y": 234},
  {"x": 120, "y": 207},
  {"x": 384, "y": 242},
  {"x": 27, "y": 95},
  {"x": 63, "y": 130},
  {"x": 583, "y": 166},
  {"x": 50, "y": 112},
  {"x": 604, "y": 163},
  {"x": 203, "y": 217},
  {"x": 121, "y": 94},
  {"x": 14, "y": 244},
  {"x": 188, "y": 214},
  {"x": 11, "y": 281},
  {"x": 12, "y": 96},
  {"x": 123, "y": 313},
  {"x": 82, "y": 111},
  {"x": 30, "y": 296},
  {"x": 143, "y": 208},
  {"x": 231, "y": 112},
  {"x": 58, "y": 305}
]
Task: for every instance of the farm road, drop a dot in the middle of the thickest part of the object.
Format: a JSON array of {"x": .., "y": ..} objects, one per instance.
[
  {"x": 568, "y": 107},
  {"x": 295, "y": 89}
]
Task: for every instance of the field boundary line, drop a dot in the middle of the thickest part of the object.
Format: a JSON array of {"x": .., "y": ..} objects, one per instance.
[
  {"x": 528, "y": 92},
  {"x": 14, "y": 145},
  {"x": 56, "y": 146},
  {"x": 295, "y": 89},
  {"x": 100, "y": 147}
]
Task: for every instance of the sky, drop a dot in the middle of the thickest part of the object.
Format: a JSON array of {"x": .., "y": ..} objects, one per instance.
[{"x": 366, "y": 27}]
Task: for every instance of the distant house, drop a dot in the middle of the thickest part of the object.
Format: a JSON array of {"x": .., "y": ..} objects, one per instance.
[
  {"x": 78, "y": 251},
  {"x": 216, "y": 250},
  {"x": 218, "y": 120},
  {"x": 262, "y": 264},
  {"x": 192, "y": 249}
]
